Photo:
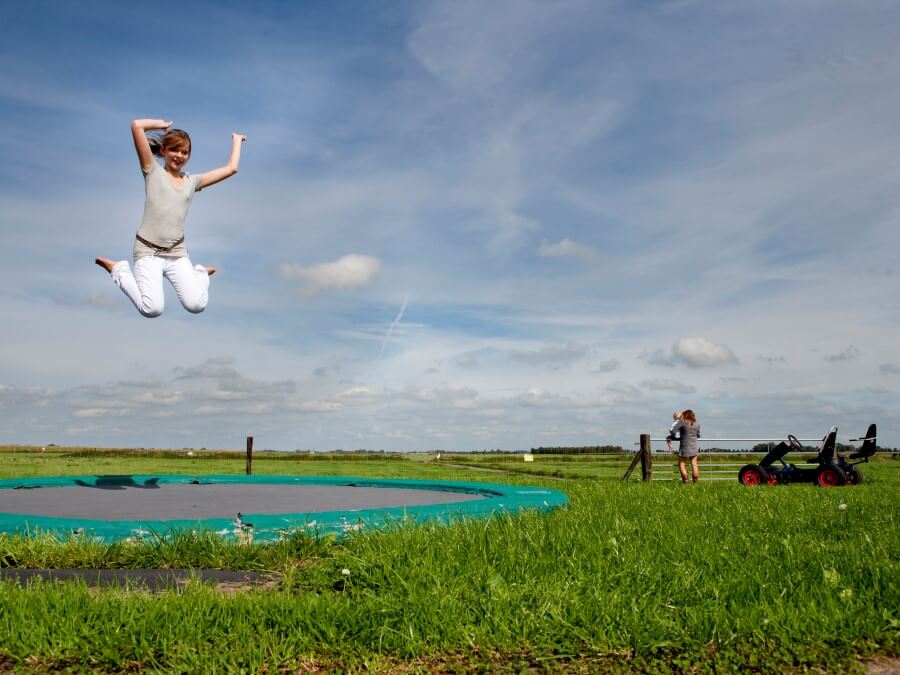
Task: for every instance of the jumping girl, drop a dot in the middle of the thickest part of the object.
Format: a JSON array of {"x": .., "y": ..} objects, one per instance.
[{"x": 159, "y": 249}]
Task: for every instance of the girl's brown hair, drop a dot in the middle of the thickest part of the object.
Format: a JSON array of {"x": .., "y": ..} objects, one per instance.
[
  {"x": 174, "y": 138},
  {"x": 688, "y": 416}
]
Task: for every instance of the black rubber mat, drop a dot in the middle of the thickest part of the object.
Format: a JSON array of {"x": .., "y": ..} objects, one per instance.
[{"x": 182, "y": 501}]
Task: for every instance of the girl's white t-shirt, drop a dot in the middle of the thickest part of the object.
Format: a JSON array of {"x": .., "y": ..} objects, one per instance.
[{"x": 165, "y": 210}]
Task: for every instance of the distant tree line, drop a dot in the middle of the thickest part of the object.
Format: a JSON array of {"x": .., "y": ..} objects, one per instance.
[{"x": 580, "y": 450}]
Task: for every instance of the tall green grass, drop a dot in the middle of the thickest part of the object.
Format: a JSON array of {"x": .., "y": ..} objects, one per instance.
[{"x": 631, "y": 576}]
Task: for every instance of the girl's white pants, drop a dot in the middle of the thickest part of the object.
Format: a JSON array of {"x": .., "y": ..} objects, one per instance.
[{"x": 144, "y": 287}]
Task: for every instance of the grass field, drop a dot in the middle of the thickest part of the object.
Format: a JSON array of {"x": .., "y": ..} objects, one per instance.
[{"x": 631, "y": 577}]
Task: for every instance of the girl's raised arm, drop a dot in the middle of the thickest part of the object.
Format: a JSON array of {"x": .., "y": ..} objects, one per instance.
[
  {"x": 227, "y": 171},
  {"x": 139, "y": 129}
]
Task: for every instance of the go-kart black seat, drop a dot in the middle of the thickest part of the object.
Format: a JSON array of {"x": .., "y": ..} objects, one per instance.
[
  {"x": 869, "y": 447},
  {"x": 826, "y": 454}
]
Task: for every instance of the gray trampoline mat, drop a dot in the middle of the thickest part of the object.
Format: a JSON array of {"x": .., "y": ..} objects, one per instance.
[{"x": 179, "y": 501}]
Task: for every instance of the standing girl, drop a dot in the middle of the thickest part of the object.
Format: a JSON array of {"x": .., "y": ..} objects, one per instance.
[
  {"x": 687, "y": 432},
  {"x": 159, "y": 249}
]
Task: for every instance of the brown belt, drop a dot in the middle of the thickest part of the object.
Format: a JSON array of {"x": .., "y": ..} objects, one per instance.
[{"x": 157, "y": 247}]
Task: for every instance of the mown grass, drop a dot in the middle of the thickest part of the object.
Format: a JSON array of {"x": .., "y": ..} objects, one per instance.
[{"x": 630, "y": 577}]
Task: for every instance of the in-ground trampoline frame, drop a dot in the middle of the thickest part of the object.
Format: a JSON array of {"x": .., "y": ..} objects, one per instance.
[{"x": 416, "y": 501}]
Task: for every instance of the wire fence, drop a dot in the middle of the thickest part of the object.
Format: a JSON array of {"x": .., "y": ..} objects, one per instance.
[{"x": 710, "y": 468}]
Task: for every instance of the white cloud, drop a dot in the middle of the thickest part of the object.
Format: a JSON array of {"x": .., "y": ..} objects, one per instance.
[
  {"x": 315, "y": 407},
  {"x": 563, "y": 248},
  {"x": 349, "y": 271},
  {"x": 357, "y": 392},
  {"x": 219, "y": 367},
  {"x": 693, "y": 352},
  {"x": 467, "y": 360},
  {"x": 163, "y": 398},
  {"x": 657, "y": 357},
  {"x": 462, "y": 397},
  {"x": 540, "y": 397},
  {"x": 552, "y": 354},
  {"x": 606, "y": 366},
  {"x": 623, "y": 389},
  {"x": 847, "y": 354},
  {"x": 663, "y": 384},
  {"x": 101, "y": 412},
  {"x": 697, "y": 352}
]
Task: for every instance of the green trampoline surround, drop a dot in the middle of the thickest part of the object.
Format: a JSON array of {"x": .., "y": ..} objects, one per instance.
[{"x": 257, "y": 508}]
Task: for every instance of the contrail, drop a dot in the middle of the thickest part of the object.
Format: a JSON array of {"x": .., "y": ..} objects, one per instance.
[{"x": 390, "y": 329}]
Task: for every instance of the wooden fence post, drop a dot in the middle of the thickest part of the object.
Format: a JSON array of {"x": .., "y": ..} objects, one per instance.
[
  {"x": 249, "y": 455},
  {"x": 646, "y": 458}
]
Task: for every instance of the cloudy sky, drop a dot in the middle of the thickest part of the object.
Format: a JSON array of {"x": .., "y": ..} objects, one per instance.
[{"x": 458, "y": 225}]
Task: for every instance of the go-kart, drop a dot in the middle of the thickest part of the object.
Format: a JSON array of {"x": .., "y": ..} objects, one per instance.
[{"x": 833, "y": 469}]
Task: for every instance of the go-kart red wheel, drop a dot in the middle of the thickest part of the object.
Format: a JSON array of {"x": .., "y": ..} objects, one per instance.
[
  {"x": 831, "y": 476},
  {"x": 773, "y": 479},
  {"x": 753, "y": 474}
]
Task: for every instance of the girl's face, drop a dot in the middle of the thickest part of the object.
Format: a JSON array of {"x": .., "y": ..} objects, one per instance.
[{"x": 176, "y": 157}]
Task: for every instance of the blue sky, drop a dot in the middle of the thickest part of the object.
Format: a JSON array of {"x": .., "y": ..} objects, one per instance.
[{"x": 458, "y": 225}]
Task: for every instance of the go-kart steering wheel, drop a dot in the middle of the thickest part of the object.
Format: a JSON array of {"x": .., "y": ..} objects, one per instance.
[{"x": 794, "y": 443}]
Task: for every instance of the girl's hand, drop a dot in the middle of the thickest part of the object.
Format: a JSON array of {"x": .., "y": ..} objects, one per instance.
[
  {"x": 223, "y": 172},
  {"x": 152, "y": 125}
]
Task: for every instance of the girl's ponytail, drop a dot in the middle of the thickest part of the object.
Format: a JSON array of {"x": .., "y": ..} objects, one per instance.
[{"x": 156, "y": 144}]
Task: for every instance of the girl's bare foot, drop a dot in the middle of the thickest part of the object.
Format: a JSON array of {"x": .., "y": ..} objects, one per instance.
[
  {"x": 209, "y": 270},
  {"x": 105, "y": 263}
]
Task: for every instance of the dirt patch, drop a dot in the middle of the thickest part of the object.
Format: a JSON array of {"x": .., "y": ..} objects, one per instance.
[
  {"x": 499, "y": 661},
  {"x": 883, "y": 665},
  {"x": 477, "y": 661},
  {"x": 153, "y": 580}
]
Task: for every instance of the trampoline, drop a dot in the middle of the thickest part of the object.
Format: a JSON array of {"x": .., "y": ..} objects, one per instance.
[{"x": 260, "y": 508}]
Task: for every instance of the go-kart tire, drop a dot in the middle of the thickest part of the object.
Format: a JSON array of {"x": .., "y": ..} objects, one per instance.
[
  {"x": 830, "y": 476},
  {"x": 753, "y": 474},
  {"x": 854, "y": 475}
]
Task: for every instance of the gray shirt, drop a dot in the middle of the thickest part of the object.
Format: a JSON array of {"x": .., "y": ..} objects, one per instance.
[
  {"x": 687, "y": 435},
  {"x": 165, "y": 209}
]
